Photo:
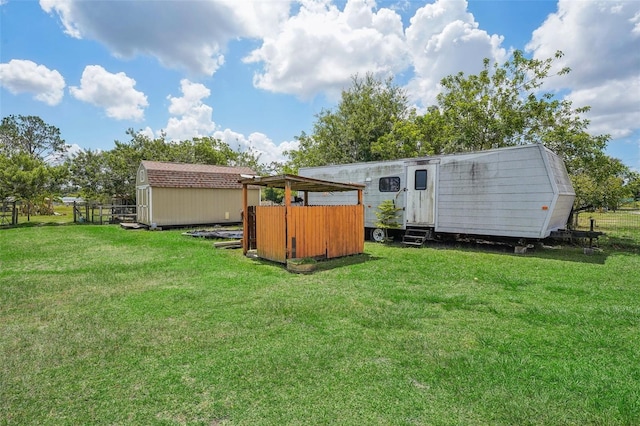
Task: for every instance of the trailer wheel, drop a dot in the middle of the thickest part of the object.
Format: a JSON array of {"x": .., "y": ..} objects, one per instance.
[{"x": 377, "y": 235}]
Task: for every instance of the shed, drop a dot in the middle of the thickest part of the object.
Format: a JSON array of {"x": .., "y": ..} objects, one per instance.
[
  {"x": 178, "y": 194},
  {"x": 293, "y": 231}
]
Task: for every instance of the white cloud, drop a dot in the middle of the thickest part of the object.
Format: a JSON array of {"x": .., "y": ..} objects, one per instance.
[
  {"x": 113, "y": 92},
  {"x": 180, "y": 34},
  {"x": 600, "y": 42},
  {"x": 444, "y": 39},
  {"x": 258, "y": 143},
  {"x": 23, "y": 76},
  {"x": 192, "y": 118},
  {"x": 321, "y": 47},
  {"x": 148, "y": 132}
]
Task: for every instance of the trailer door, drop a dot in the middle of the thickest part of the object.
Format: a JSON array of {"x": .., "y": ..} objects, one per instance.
[{"x": 421, "y": 200}]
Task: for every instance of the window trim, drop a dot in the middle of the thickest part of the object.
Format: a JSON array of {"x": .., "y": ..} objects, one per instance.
[
  {"x": 389, "y": 179},
  {"x": 425, "y": 180}
]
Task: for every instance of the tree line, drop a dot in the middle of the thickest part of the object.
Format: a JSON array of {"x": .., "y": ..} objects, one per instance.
[
  {"x": 500, "y": 106},
  {"x": 34, "y": 165}
]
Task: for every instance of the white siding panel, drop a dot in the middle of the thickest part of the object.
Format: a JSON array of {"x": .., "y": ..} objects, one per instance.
[
  {"x": 499, "y": 193},
  {"x": 560, "y": 213},
  {"x": 368, "y": 174}
]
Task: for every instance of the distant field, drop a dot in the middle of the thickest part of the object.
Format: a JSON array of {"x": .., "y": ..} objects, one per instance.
[{"x": 99, "y": 325}]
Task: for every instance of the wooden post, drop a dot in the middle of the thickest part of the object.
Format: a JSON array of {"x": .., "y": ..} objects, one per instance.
[
  {"x": 306, "y": 198},
  {"x": 359, "y": 196},
  {"x": 287, "y": 193},
  {"x": 287, "y": 207},
  {"x": 74, "y": 212},
  {"x": 245, "y": 220}
]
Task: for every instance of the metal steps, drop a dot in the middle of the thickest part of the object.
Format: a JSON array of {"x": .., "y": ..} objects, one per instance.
[{"x": 416, "y": 236}]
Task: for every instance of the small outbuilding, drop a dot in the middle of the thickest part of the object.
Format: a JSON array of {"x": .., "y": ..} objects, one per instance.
[
  {"x": 177, "y": 194},
  {"x": 281, "y": 233}
]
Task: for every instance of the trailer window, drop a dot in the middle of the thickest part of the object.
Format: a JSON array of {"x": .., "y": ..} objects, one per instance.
[
  {"x": 389, "y": 184},
  {"x": 421, "y": 180}
]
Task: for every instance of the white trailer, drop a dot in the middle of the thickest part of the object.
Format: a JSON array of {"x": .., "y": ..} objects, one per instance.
[{"x": 521, "y": 192}]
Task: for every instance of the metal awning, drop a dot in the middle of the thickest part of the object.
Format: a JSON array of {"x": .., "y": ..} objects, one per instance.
[{"x": 299, "y": 183}]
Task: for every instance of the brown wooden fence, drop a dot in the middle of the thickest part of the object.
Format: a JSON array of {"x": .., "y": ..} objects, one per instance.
[
  {"x": 270, "y": 233},
  {"x": 309, "y": 231}
]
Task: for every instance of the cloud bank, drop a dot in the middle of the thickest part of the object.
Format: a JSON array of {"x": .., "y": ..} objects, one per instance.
[{"x": 313, "y": 47}]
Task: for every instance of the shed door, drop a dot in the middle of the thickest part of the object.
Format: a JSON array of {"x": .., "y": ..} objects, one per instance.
[
  {"x": 142, "y": 199},
  {"x": 421, "y": 205}
]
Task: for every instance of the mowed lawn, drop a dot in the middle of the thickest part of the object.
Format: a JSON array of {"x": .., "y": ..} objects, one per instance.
[{"x": 99, "y": 325}]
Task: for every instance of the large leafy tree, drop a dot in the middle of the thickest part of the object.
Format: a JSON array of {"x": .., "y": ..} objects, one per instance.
[
  {"x": 29, "y": 151},
  {"x": 605, "y": 185},
  {"x": 367, "y": 111},
  {"x": 32, "y": 136},
  {"x": 503, "y": 105},
  {"x": 89, "y": 175}
]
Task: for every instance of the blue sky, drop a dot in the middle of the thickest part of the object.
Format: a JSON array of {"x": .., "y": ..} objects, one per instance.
[{"x": 254, "y": 73}]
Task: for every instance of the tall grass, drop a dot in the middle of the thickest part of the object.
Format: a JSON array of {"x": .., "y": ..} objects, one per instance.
[{"x": 104, "y": 326}]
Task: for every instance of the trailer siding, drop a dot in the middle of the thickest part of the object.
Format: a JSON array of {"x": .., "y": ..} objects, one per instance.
[
  {"x": 520, "y": 192},
  {"x": 564, "y": 189},
  {"x": 363, "y": 173},
  {"x": 501, "y": 193}
]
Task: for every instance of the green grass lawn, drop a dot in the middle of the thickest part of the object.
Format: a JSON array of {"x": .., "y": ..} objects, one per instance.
[{"x": 99, "y": 325}]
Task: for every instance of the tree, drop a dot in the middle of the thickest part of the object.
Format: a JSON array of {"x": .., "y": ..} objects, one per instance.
[
  {"x": 387, "y": 215},
  {"x": 32, "y": 136},
  {"x": 89, "y": 175},
  {"x": 502, "y": 106},
  {"x": 28, "y": 149},
  {"x": 605, "y": 185},
  {"x": 367, "y": 112},
  {"x": 29, "y": 179},
  {"x": 633, "y": 185},
  {"x": 415, "y": 136}
]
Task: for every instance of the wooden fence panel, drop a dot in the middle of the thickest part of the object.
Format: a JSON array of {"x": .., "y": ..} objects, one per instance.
[
  {"x": 345, "y": 231},
  {"x": 326, "y": 231},
  {"x": 270, "y": 233},
  {"x": 307, "y": 230}
]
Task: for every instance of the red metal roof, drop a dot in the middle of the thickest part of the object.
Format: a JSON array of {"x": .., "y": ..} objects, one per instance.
[{"x": 180, "y": 175}]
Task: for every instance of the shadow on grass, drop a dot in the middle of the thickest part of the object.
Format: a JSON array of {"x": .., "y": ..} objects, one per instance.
[
  {"x": 621, "y": 244},
  {"x": 38, "y": 224},
  {"x": 323, "y": 264},
  {"x": 339, "y": 262},
  {"x": 567, "y": 252}
]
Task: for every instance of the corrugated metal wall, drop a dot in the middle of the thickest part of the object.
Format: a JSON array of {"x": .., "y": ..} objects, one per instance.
[{"x": 312, "y": 231}]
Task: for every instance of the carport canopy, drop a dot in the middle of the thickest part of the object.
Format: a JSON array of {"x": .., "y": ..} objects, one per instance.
[{"x": 298, "y": 183}]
